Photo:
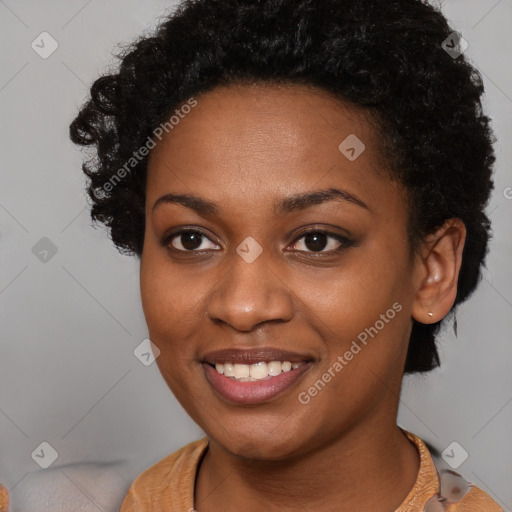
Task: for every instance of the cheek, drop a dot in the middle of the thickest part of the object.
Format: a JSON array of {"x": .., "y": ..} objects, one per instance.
[
  {"x": 166, "y": 297},
  {"x": 361, "y": 313},
  {"x": 173, "y": 306},
  {"x": 164, "y": 302},
  {"x": 344, "y": 302}
]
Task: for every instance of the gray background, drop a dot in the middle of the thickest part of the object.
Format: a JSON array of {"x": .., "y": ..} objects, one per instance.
[{"x": 68, "y": 374}]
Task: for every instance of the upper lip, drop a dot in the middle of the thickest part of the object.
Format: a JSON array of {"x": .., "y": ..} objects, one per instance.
[{"x": 253, "y": 356}]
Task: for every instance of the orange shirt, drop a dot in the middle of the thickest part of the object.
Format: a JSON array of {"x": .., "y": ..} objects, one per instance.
[
  {"x": 169, "y": 486},
  {"x": 4, "y": 499}
]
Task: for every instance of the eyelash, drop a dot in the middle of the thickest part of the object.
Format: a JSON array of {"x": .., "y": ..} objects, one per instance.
[{"x": 344, "y": 241}]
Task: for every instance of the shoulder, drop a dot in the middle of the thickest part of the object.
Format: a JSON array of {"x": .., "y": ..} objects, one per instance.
[
  {"x": 172, "y": 478},
  {"x": 445, "y": 489},
  {"x": 180, "y": 460}
]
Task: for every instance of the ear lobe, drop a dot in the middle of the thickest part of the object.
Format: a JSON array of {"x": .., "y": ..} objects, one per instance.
[{"x": 440, "y": 260}]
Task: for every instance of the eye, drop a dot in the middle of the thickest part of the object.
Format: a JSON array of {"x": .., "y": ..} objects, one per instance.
[
  {"x": 189, "y": 240},
  {"x": 315, "y": 241}
]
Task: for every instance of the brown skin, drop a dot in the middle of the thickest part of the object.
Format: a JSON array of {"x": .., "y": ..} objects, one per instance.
[{"x": 243, "y": 148}]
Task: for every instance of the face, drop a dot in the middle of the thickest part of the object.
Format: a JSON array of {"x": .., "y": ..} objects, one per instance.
[{"x": 329, "y": 278}]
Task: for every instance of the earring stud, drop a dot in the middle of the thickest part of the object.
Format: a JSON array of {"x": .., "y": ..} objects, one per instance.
[{"x": 430, "y": 314}]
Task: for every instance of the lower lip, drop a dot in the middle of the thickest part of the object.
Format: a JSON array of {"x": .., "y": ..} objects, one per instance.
[{"x": 254, "y": 392}]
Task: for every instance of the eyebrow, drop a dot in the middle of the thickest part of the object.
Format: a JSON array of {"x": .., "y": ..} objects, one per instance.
[{"x": 283, "y": 206}]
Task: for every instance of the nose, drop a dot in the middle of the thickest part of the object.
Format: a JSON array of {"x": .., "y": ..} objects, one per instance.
[{"x": 250, "y": 294}]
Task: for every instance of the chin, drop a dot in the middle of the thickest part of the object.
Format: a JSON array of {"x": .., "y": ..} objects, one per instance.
[{"x": 264, "y": 447}]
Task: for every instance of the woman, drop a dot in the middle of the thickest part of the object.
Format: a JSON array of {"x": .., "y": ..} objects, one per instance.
[{"x": 304, "y": 183}]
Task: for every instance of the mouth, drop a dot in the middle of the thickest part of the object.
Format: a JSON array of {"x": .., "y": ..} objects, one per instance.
[{"x": 252, "y": 376}]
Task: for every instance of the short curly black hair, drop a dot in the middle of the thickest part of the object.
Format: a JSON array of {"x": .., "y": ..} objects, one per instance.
[{"x": 397, "y": 59}]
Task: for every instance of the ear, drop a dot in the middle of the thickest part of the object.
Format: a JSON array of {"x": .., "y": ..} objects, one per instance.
[{"x": 438, "y": 264}]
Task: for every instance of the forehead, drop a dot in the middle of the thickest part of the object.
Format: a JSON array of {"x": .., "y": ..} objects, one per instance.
[{"x": 260, "y": 142}]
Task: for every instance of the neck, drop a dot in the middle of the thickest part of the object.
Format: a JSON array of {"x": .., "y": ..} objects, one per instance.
[{"x": 369, "y": 467}]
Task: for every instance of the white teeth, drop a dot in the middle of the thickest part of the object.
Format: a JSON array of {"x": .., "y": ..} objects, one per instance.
[
  {"x": 241, "y": 371},
  {"x": 257, "y": 371},
  {"x": 274, "y": 368},
  {"x": 229, "y": 371}
]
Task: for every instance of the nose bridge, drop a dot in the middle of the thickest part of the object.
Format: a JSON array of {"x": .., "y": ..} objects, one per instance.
[{"x": 251, "y": 292}]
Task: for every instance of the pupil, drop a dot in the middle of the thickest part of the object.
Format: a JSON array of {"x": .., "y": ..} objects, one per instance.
[
  {"x": 318, "y": 240},
  {"x": 191, "y": 240}
]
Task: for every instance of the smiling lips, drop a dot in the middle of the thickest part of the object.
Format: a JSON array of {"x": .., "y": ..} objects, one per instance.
[{"x": 250, "y": 376}]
